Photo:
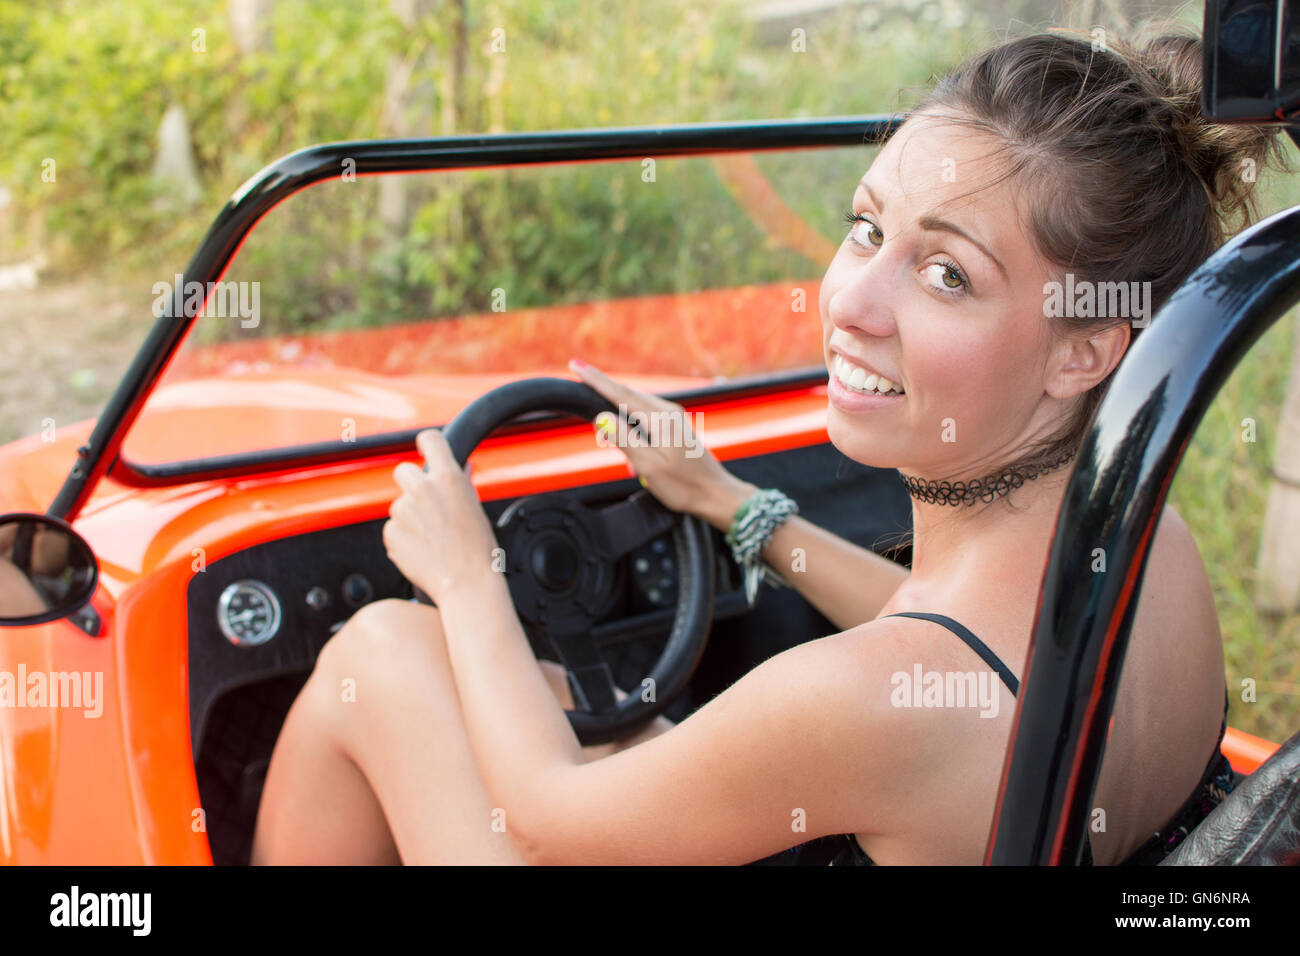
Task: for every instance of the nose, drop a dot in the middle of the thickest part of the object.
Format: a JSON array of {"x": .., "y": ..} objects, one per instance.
[{"x": 864, "y": 303}]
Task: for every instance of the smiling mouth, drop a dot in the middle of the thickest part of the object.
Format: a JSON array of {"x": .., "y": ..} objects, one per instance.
[{"x": 857, "y": 379}]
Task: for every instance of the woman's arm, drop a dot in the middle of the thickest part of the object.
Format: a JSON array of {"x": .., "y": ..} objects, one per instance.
[
  {"x": 804, "y": 745},
  {"x": 18, "y": 598},
  {"x": 846, "y": 583}
]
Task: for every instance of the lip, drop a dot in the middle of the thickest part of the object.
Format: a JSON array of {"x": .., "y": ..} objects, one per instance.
[
  {"x": 847, "y": 401},
  {"x": 858, "y": 363}
]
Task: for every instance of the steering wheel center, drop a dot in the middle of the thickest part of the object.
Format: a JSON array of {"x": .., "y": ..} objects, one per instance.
[
  {"x": 555, "y": 563},
  {"x": 556, "y": 570}
]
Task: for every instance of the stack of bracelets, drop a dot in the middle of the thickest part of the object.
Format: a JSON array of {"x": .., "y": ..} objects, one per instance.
[{"x": 752, "y": 527}]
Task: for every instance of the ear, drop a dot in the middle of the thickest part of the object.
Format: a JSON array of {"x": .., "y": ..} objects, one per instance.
[{"x": 1080, "y": 362}]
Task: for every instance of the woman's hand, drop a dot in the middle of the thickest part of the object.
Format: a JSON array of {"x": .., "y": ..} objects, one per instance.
[
  {"x": 50, "y": 548},
  {"x": 673, "y": 464},
  {"x": 438, "y": 535}
]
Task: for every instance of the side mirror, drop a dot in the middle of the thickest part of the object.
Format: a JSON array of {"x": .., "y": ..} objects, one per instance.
[
  {"x": 47, "y": 570},
  {"x": 1251, "y": 61}
]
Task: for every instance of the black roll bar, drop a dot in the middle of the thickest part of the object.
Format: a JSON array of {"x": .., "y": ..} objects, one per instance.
[{"x": 316, "y": 164}]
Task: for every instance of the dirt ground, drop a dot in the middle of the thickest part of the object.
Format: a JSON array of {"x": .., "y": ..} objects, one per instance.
[{"x": 64, "y": 348}]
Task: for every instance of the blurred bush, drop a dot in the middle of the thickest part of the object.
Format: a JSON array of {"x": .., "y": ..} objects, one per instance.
[{"x": 86, "y": 84}]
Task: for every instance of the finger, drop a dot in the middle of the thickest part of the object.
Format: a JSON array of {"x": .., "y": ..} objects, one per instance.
[
  {"x": 408, "y": 476},
  {"x": 637, "y": 422},
  {"x": 606, "y": 425},
  {"x": 433, "y": 446},
  {"x": 615, "y": 391}
]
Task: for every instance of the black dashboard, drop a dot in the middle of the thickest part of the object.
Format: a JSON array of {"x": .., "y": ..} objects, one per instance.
[{"x": 268, "y": 610}]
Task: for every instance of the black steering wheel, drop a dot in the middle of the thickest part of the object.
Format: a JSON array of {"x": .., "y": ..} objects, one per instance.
[{"x": 560, "y": 557}]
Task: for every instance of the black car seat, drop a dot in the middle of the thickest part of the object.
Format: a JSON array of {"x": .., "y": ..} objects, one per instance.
[{"x": 1257, "y": 825}]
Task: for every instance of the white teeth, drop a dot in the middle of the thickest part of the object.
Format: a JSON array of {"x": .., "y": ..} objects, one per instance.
[{"x": 859, "y": 380}]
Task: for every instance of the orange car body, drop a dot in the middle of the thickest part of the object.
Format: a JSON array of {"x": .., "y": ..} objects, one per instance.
[{"x": 120, "y": 787}]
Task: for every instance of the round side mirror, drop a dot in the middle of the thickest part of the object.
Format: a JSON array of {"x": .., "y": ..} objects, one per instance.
[{"x": 47, "y": 570}]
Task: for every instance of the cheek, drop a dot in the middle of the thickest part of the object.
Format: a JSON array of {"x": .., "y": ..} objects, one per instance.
[
  {"x": 982, "y": 384},
  {"x": 964, "y": 374}
]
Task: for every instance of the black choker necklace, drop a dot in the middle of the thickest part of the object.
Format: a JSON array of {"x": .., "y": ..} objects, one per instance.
[{"x": 981, "y": 489}]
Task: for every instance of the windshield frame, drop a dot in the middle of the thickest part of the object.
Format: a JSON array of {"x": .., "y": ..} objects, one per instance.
[{"x": 101, "y": 455}]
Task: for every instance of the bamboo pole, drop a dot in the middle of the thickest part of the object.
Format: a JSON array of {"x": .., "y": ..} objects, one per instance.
[{"x": 1278, "y": 566}]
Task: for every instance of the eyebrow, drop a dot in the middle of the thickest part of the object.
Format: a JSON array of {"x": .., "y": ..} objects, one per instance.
[{"x": 935, "y": 224}]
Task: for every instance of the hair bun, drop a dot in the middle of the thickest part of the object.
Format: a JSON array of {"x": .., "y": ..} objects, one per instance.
[{"x": 1227, "y": 158}]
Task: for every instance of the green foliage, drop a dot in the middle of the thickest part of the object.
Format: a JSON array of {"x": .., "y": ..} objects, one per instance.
[
  {"x": 1221, "y": 490},
  {"x": 86, "y": 83}
]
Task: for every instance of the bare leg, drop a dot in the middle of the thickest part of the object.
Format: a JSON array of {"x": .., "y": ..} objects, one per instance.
[
  {"x": 317, "y": 806},
  {"x": 374, "y": 763}
]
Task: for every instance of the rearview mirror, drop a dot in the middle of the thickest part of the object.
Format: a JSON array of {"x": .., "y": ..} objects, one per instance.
[
  {"x": 47, "y": 570},
  {"x": 1252, "y": 61}
]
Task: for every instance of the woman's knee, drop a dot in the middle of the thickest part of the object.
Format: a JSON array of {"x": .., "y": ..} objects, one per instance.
[
  {"x": 384, "y": 634},
  {"x": 387, "y": 651}
]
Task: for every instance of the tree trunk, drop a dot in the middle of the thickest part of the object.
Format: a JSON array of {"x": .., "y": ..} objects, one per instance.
[
  {"x": 1278, "y": 567},
  {"x": 408, "y": 114}
]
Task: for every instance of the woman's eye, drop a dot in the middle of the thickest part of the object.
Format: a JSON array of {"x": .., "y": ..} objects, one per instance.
[
  {"x": 872, "y": 234},
  {"x": 949, "y": 279}
]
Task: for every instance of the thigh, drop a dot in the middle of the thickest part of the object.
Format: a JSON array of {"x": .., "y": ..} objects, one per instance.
[{"x": 383, "y": 690}]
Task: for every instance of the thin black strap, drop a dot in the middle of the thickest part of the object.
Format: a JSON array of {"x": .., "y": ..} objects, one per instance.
[{"x": 975, "y": 644}]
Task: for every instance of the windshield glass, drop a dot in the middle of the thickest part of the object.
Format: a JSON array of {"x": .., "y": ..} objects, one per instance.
[{"x": 376, "y": 304}]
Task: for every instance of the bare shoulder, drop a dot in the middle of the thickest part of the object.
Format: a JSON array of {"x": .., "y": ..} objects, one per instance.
[
  {"x": 921, "y": 720},
  {"x": 1170, "y": 698},
  {"x": 1174, "y": 538},
  {"x": 852, "y": 675},
  {"x": 1176, "y": 590},
  {"x": 1174, "y": 660}
]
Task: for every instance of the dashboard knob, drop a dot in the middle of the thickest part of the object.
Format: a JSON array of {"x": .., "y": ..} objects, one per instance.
[
  {"x": 318, "y": 599},
  {"x": 357, "y": 590}
]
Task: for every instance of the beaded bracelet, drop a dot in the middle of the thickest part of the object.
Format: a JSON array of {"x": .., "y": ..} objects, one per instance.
[{"x": 752, "y": 527}]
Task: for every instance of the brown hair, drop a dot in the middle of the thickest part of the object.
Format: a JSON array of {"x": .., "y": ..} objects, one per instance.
[{"x": 1123, "y": 178}]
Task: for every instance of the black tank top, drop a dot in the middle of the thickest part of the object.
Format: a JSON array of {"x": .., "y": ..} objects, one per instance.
[{"x": 1218, "y": 780}]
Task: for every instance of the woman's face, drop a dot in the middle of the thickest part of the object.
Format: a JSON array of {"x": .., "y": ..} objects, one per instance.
[{"x": 936, "y": 288}]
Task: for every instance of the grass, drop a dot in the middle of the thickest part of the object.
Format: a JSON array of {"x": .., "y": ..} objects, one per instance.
[{"x": 1221, "y": 490}]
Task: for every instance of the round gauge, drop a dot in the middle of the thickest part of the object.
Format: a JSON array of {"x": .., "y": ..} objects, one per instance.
[{"x": 248, "y": 613}]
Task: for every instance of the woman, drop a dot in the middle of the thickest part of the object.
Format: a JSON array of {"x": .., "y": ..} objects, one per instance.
[
  {"x": 432, "y": 735},
  {"x": 47, "y": 558}
]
